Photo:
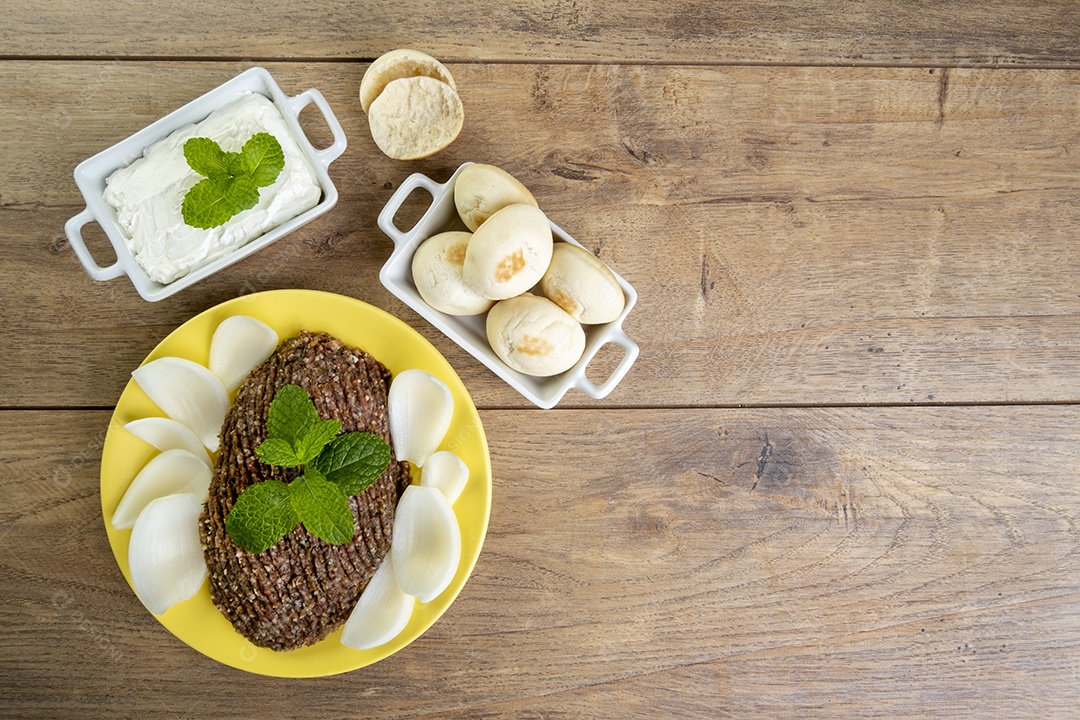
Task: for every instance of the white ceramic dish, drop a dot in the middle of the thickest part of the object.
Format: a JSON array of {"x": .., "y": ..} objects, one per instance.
[
  {"x": 90, "y": 176},
  {"x": 469, "y": 332}
]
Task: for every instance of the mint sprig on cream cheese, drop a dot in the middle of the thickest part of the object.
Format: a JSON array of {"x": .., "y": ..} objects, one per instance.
[
  {"x": 231, "y": 181},
  {"x": 334, "y": 468}
]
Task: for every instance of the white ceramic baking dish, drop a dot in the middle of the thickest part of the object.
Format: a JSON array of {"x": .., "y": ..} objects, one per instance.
[
  {"x": 470, "y": 332},
  {"x": 90, "y": 176}
]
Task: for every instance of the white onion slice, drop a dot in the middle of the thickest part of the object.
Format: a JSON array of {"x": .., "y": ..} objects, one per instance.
[
  {"x": 426, "y": 542},
  {"x": 381, "y": 613},
  {"x": 173, "y": 471},
  {"x": 165, "y": 555},
  {"x": 239, "y": 345},
  {"x": 420, "y": 408},
  {"x": 447, "y": 472},
  {"x": 167, "y": 434},
  {"x": 188, "y": 393}
]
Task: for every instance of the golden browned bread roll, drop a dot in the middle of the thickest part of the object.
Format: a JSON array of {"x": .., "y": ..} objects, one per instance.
[
  {"x": 534, "y": 336},
  {"x": 436, "y": 270},
  {"x": 481, "y": 190},
  {"x": 581, "y": 285},
  {"x": 509, "y": 253}
]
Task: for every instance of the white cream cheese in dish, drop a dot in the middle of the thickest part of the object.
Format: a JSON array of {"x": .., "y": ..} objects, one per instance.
[{"x": 147, "y": 194}]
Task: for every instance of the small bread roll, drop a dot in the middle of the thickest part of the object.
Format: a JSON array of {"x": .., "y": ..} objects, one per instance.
[
  {"x": 509, "y": 253},
  {"x": 398, "y": 64},
  {"x": 415, "y": 117},
  {"x": 481, "y": 190},
  {"x": 534, "y": 336},
  {"x": 583, "y": 286},
  {"x": 436, "y": 270}
]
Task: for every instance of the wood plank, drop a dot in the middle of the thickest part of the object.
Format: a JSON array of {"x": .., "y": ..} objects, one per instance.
[
  {"x": 861, "y": 561},
  {"x": 796, "y": 236},
  {"x": 847, "y": 677},
  {"x": 811, "y": 32}
]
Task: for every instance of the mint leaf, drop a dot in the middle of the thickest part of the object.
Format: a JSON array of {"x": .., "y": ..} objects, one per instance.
[
  {"x": 315, "y": 439},
  {"x": 262, "y": 159},
  {"x": 335, "y": 467},
  {"x": 205, "y": 206},
  {"x": 295, "y": 434},
  {"x": 262, "y": 515},
  {"x": 234, "y": 163},
  {"x": 292, "y": 414},
  {"x": 275, "y": 451},
  {"x": 206, "y": 157},
  {"x": 232, "y": 180},
  {"x": 241, "y": 192},
  {"x": 322, "y": 507},
  {"x": 212, "y": 201},
  {"x": 354, "y": 461}
]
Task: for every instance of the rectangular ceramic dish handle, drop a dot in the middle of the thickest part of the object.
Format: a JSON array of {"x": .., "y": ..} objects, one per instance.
[
  {"x": 386, "y": 216},
  {"x": 73, "y": 229},
  {"x": 630, "y": 353},
  {"x": 301, "y": 101}
]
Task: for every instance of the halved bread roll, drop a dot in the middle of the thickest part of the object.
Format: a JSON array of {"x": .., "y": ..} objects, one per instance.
[
  {"x": 398, "y": 64},
  {"x": 509, "y": 253},
  {"x": 415, "y": 117},
  {"x": 534, "y": 336},
  {"x": 436, "y": 270},
  {"x": 481, "y": 190}
]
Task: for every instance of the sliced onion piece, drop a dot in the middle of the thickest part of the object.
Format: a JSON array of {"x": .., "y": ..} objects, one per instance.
[
  {"x": 381, "y": 613},
  {"x": 167, "y": 434},
  {"x": 173, "y": 471},
  {"x": 188, "y": 393},
  {"x": 420, "y": 408},
  {"x": 447, "y": 472},
  {"x": 426, "y": 542},
  {"x": 239, "y": 345},
  {"x": 165, "y": 555}
]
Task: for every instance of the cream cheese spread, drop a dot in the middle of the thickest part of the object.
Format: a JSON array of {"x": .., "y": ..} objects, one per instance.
[{"x": 147, "y": 194}]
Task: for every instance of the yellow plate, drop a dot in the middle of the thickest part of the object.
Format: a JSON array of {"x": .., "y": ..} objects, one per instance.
[{"x": 196, "y": 621}]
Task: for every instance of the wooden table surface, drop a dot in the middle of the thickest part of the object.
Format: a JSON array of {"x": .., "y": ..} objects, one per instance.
[{"x": 840, "y": 480}]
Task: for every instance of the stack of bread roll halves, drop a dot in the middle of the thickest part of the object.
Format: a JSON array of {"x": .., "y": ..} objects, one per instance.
[{"x": 412, "y": 104}]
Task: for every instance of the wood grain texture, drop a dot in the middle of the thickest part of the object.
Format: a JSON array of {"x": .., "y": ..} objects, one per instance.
[
  {"x": 819, "y": 32},
  {"x": 841, "y": 479},
  {"x": 797, "y": 236},
  {"x": 863, "y": 562}
]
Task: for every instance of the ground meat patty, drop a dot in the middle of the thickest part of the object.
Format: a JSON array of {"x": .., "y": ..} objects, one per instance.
[{"x": 301, "y": 589}]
